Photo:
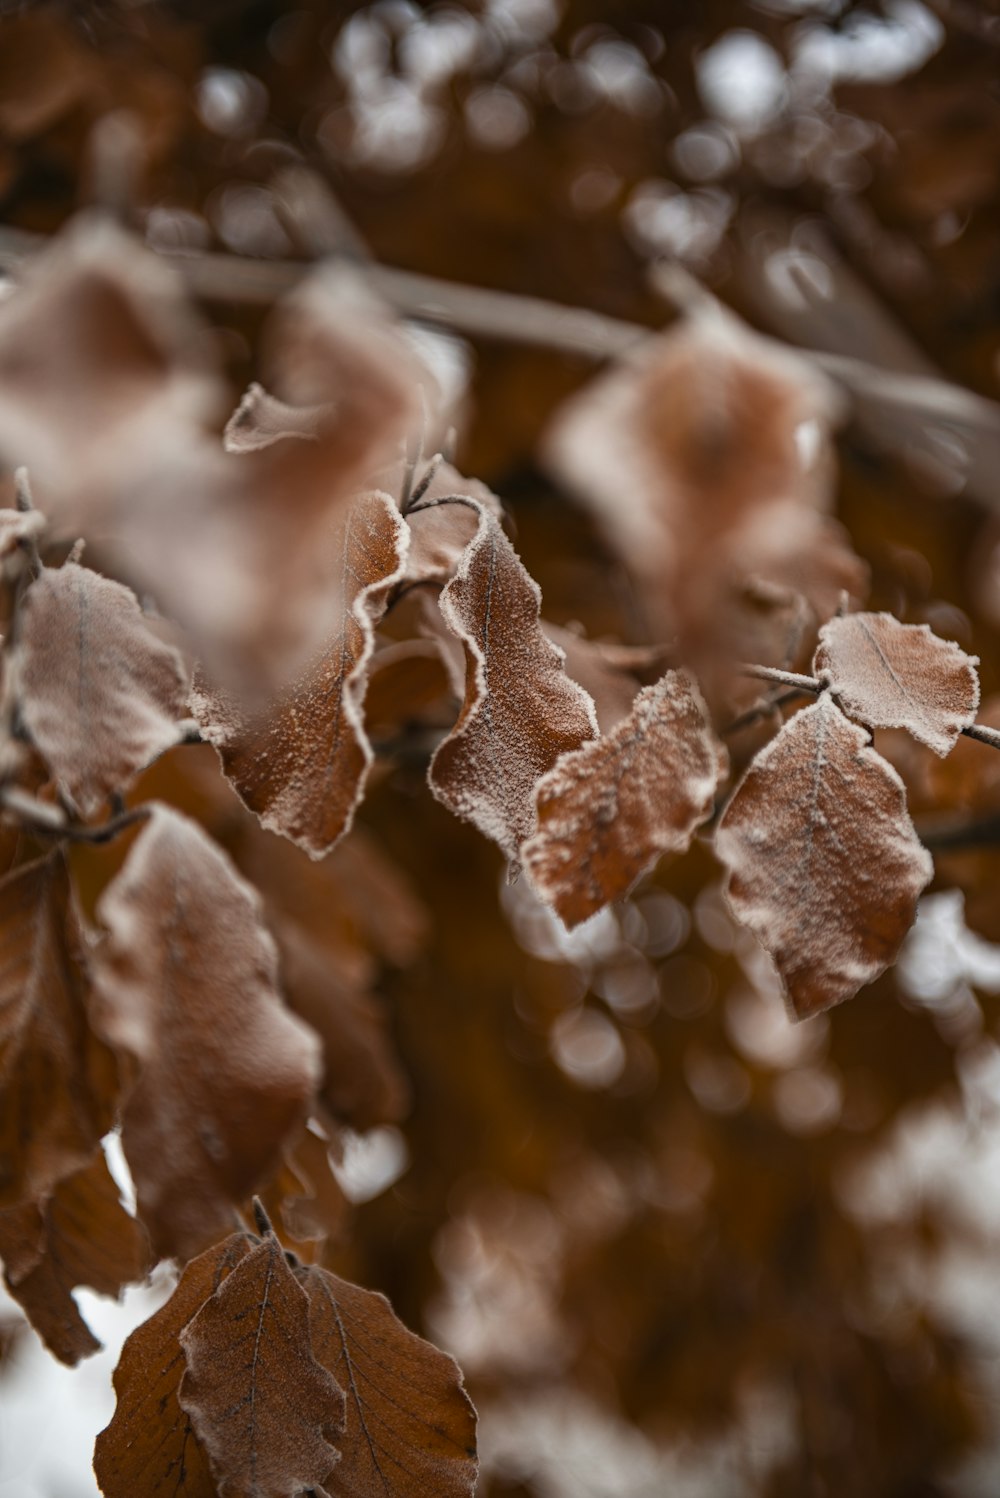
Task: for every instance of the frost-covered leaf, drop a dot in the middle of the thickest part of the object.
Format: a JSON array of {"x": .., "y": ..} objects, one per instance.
[
  {"x": 410, "y": 1427},
  {"x": 824, "y": 865},
  {"x": 264, "y": 1409},
  {"x": 186, "y": 990},
  {"x": 892, "y": 675},
  {"x": 608, "y": 810},
  {"x": 441, "y": 532},
  {"x": 81, "y": 1235},
  {"x": 150, "y": 1447},
  {"x": 99, "y": 695},
  {"x": 607, "y": 672},
  {"x": 301, "y": 765},
  {"x": 521, "y": 710},
  {"x": 58, "y": 1083},
  {"x": 261, "y": 419}
]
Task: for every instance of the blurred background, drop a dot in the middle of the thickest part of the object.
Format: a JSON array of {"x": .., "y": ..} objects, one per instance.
[{"x": 678, "y": 1244}]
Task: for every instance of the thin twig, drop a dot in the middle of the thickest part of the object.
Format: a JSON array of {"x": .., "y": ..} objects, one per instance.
[
  {"x": 784, "y": 678},
  {"x": 46, "y": 820},
  {"x": 445, "y": 499},
  {"x": 763, "y": 709}
]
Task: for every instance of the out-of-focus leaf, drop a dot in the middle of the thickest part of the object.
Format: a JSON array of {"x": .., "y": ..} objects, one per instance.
[
  {"x": 264, "y": 1409},
  {"x": 17, "y": 526},
  {"x": 261, "y": 419},
  {"x": 98, "y": 693},
  {"x": 410, "y": 1427},
  {"x": 521, "y": 710},
  {"x": 149, "y": 1446},
  {"x": 892, "y": 675},
  {"x": 824, "y": 865},
  {"x": 186, "y": 990},
  {"x": 301, "y": 765},
  {"x": 608, "y": 810}
]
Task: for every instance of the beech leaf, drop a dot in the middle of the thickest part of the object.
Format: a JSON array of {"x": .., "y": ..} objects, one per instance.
[
  {"x": 608, "y": 810},
  {"x": 264, "y": 1409},
  {"x": 98, "y": 693},
  {"x": 824, "y": 864},
  {"x": 58, "y": 1083},
  {"x": 410, "y": 1426},
  {"x": 302, "y": 764},
  {"x": 186, "y": 988},
  {"x": 261, "y": 419},
  {"x": 521, "y": 710},
  {"x": 892, "y": 675},
  {"x": 149, "y": 1447},
  {"x": 81, "y": 1235}
]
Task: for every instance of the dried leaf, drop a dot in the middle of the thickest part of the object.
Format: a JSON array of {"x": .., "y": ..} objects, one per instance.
[
  {"x": 261, "y": 419},
  {"x": 264, "y": 1409},
  {"x": 521, "y": 710},
  {"x": 606, "y": 672},
  {"x": 306, "y": 1196},
  {"x": 824, "y": 865},
  {"x": 186, "y": 988},
  {"x": 81, "y": 1235},
  {"x": 150, "y": 1448},
  {"x": 892, "y": 675},
  {"x": 58, "y": 1083},
  {"x": 302, "y": 765},
  {"x": 441, "y": 533},
  {"x": 410, "y": 1426},
  {"x": 608, "y": 810},
  {"x": 98, "y": 693}
]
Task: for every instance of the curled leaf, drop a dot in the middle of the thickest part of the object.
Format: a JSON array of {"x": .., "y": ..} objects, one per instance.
[
  {"x": 410, "y": 1429},
  {"x": 98, "y": 693},
  {"x": 608, "y": 810},
  {"x": 824, "y": 865},
  {"x": 301, "y": 765},
  {"x": 892, "y": 675},
  {"x": 150, "y": 1447},
  {"x": 261, "y": 419},
  {"x": 521, "y": 710},
  {"x": 264, "y": 1409},
  {"x": 186, "y": 989}
]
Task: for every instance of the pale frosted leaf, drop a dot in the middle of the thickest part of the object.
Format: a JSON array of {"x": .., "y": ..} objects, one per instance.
[
  {"x": 410, "y": 1427},
  {"x": 264, "y": 1409},
  {"x": 892, "y": 675},
  {"x": 824, "y": 865},
  {"x": 99, "y": 695},
  {"x": 607, "y": 811},
  {"x": 262, "y": 419},
  {"x": 521, "y": 710},
  {"x": 301, "y": 765},
  {"x": 186, "y": 981},
  {"x": 150, "y": 1447}
]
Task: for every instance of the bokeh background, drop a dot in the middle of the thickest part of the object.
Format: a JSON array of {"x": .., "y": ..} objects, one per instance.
[{"x": 678, "y": 1244}]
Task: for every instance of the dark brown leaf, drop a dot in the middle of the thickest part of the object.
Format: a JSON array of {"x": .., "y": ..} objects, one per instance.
[
  {"x": 58, "y": 1083},
  {"x": 264, "y": 1409},
  {"x": 96, "y": 690},
  {"x": 824, "y": 865},
  {"x": 149, "y": 1448},
  {"x": 892, "y": 675},
  {"x": 521, "y": 710},
  {"x": 608, "y": 810},
  {"x": 81, "y": 1235},
  {"x": 186, "y": 988},
  {"x": 302, "y": 765},
  {"x": 410, "y": 1426}
]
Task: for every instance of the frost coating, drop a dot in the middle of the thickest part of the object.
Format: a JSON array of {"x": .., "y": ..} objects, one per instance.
[
  {"x": 302, "y": 765},
  {"x": 824, "y": 864},
  {"x": 892, "y": 675},
  {"x": 521, "y": 710},
  {"x": 608, "y": 810},
  {"x": 260, "y": 420}
]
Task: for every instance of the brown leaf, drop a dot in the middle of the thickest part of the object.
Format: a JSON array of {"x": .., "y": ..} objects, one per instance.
[
  {"x": 98, "y": 693},
  {"x": 410, "y": 1426},
  {"x": 440, "y": 533},
  {"x": 150, "y": 1448},
  {"x": 606, "y": 672},
  {"x": 302, "y": 765},
  {"x": 58, "y": 1083},
  {"x": 186, "y": 988},
  {"x": 608, "y": 810},
  {"x": 892, "y": 675},
  {"x": 824, "y": 865},
  {"x": 81, "y": 1235},
  {"x": 306, "y": 1196},
  {"x": 521, "y": 710},
  {"x": 261, "y": 419},
  {"x": 264, "y": 1409}
]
